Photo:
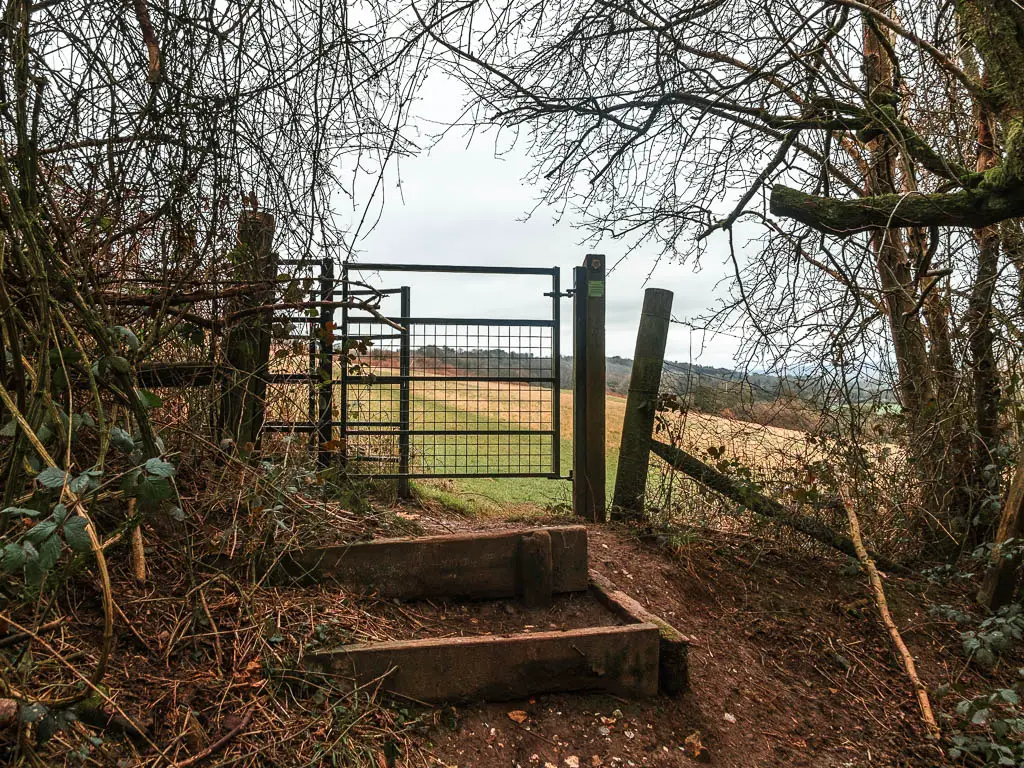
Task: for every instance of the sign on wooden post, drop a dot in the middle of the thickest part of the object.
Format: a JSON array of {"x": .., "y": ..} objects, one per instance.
[{"x": 588, "y": 440}]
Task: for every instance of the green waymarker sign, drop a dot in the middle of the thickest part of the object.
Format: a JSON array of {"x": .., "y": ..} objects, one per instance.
[{"x": 595, "y": 289}]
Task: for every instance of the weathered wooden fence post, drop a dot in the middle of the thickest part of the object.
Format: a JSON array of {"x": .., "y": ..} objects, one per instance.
[
  {"x": 247, "y": 346},
  {"x": 644, "y": 382},
  {"x": 588, "y": 446}
]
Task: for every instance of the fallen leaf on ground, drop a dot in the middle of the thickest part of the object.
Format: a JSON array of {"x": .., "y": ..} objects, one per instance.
[
  {"x": 517, "y": 715},
  {"x": 693, "y": 747}
]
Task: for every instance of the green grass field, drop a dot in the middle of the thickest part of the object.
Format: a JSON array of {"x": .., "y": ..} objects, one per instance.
[
  {"x": 494, "y": 406},
  {"x": 482, "y": 409}
]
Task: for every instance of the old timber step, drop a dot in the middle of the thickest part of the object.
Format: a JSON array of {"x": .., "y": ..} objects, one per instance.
[
  {"x": 645, "y": 656},
  {"x": 618, "y": 660},
  {"x": 476, "y": 565}
]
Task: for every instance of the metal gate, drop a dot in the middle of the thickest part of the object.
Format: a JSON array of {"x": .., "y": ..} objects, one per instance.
[{"x": 443, "y": 397}]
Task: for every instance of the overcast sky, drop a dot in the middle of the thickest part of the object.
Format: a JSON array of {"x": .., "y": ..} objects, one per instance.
[{"x": 459, "y": 204}]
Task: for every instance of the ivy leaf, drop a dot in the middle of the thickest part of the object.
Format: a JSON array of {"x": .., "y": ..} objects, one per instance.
[
  {"x": 52, "y": 477},
  {"x": 76, "y": 535},
  {"x": 13, "y": 558},
  {"x": 148, "y": 399},
  {"x": 160, "y": 468}
]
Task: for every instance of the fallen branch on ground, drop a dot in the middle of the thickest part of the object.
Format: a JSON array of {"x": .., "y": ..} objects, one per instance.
[
  {"x": 758, "y": 503},
  {"x": 883, "y": 610}
]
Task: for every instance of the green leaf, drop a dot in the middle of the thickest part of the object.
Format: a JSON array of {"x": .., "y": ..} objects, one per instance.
[
  {"x": 60, "y": 513},
  {"x": 121, "y": 440},
  {"x": 119, "y": 364},
  {"x": 154, "y": 489},
  {"x": 177, "y": 514},
  {"x": 76, "y": 535},
  {"x": 81, "y": 484},
  {"x": 160, "y": 468},
  {"x": 49, "y": 553},
  {"x": 33, "y": 573},
  {"x": 79, "y": 420},
  {"x": 46, "y": 729},
  {"x": 10, "y": 429},
  {"x": 13, "y": 558},
  {"x": 33, "y": 713},
  {"x": 148, "y": 399},
  {"x": 130, "y": 339},
  {"x": 22, "y": 511},
  {"x": 130, "y": 481},
  {"x": 41, "y": 531},
  {"x": 52, "y": 477}
]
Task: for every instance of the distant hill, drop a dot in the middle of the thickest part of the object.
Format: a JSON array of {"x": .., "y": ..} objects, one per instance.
[{"x": 723, "y": 385}]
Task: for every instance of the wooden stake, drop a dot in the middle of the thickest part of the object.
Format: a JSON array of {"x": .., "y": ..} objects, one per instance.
[
  {"x": 883, "y": 610},
  {"x": 138, "y": 551},
  {"x": 641, "y": 403}
]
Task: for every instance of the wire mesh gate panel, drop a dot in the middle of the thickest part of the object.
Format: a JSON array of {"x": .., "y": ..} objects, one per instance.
[
  {"x": 301, "y": 360},
  {"x": 445, "y": 397}
]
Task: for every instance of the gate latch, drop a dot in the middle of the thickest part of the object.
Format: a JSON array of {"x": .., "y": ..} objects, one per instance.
[{"x": 567, "y": 295}]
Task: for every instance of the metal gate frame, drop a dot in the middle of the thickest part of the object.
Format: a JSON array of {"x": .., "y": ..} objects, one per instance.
[{"x": 403, "y": 428}]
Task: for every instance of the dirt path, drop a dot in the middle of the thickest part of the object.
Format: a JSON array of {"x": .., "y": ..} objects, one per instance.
[{"x": 788, "y": 669}]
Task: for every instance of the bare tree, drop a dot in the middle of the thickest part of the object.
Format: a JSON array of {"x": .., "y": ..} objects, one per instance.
[
  {"x": 869, "y": 150},
  {"x": 132, "y": 139}
]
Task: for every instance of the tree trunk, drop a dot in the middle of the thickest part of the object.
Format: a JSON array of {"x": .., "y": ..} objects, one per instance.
[
  {"x": 981, "y": 340},
  {"x": 1002, "y": 576},
  {"x": 247, "y": 346}
]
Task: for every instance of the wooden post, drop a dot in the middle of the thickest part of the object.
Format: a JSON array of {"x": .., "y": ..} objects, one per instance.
[
  {"x": 536, "y": 569},
  {"x": 325, "y": 363},
  {"x": 588, "y": 440},
  {"x": 644, "y": 383},
  {"x": 247, "y": 346}
]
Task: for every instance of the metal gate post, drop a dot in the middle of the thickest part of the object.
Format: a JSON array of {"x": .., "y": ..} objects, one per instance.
[
  {"x": 404, "y": 365},
  {"x": 325, "y": 365},
  {"x": 343, "y": 369},
  {"x": 588, "y": 489},
  {"x": 556, "y": 373}
]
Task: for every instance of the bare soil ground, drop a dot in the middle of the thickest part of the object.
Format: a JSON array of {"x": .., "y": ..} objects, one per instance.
[
  {"x": 789, "y": 667},
  {"x": 423, "y": 619}
]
